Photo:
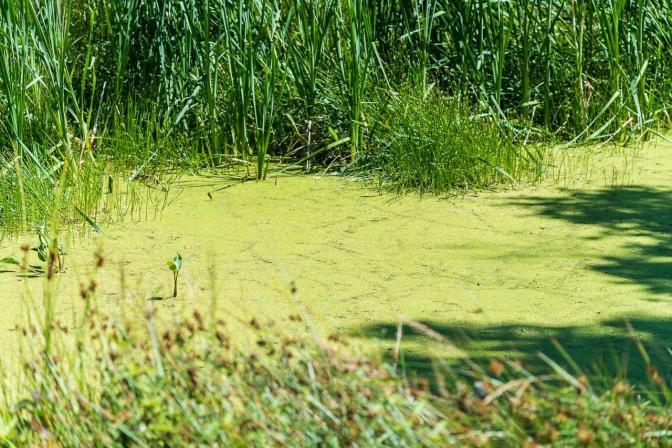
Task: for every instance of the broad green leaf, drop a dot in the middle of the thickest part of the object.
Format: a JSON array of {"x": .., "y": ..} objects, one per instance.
[
  {"x": 176, "y": 263},
  {"x": 42, "y": 253}
]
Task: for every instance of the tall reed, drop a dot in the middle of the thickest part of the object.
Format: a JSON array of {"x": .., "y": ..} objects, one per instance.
[{"x": 241, "y": 81}]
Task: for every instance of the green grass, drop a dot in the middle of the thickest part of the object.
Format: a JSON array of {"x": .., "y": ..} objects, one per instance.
[
  {"x": 429, "y": 143},
  {"x": 203, "y": 381},
  {"x": 112, "y": 85},
  {"x": 103, "y": 101}
]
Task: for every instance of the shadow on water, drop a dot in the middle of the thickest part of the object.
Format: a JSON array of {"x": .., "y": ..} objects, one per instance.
[
  {"x": 608, "y": 353},
  {"x": 638, "y": 220},
  {"x": 625, "y": 213}
]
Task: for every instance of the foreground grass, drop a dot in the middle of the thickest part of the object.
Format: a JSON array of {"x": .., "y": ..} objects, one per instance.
[{"x": 204, "y": 381}]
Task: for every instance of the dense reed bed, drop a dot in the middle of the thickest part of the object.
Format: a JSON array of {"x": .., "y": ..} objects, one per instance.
[{"x": 88, "y": 87}]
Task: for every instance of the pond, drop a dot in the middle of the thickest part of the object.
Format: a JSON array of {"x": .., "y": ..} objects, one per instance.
[{"x": 500, "y": 272}]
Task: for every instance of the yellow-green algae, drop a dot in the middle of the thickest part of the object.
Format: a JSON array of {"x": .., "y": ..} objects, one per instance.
[{"x": 511, "y": 268}]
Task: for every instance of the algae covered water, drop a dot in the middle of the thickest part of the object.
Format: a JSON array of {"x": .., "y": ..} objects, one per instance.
[{"x": 500, "y": 271}]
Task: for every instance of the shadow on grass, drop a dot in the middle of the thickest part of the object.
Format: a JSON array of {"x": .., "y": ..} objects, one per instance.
[
  {"x": 622, "y": 212},
  {"x": 604, "y": 351}
]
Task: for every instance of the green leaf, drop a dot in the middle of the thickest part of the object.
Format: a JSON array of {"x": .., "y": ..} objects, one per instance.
[
  {"x": 42, "y": 253},
  {"x": 43, "y": 239},
  {"x": 91, "y": 222},
  {"x": 7, "y": 426},
  {"x": 10, "y": 260},
  {"x": 176, "y": 263}
]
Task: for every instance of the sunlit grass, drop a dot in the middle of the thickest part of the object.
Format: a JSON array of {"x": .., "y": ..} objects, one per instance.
[
  {"x": 147, "y": 86},
  {"x": 198, "y": 379}
]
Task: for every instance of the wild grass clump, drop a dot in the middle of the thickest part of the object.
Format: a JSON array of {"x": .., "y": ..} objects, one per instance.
[
  {"x": 192, "y": 384},
  {"x": 200, "y": 381},
  {"x": 427, "y": 142}
]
